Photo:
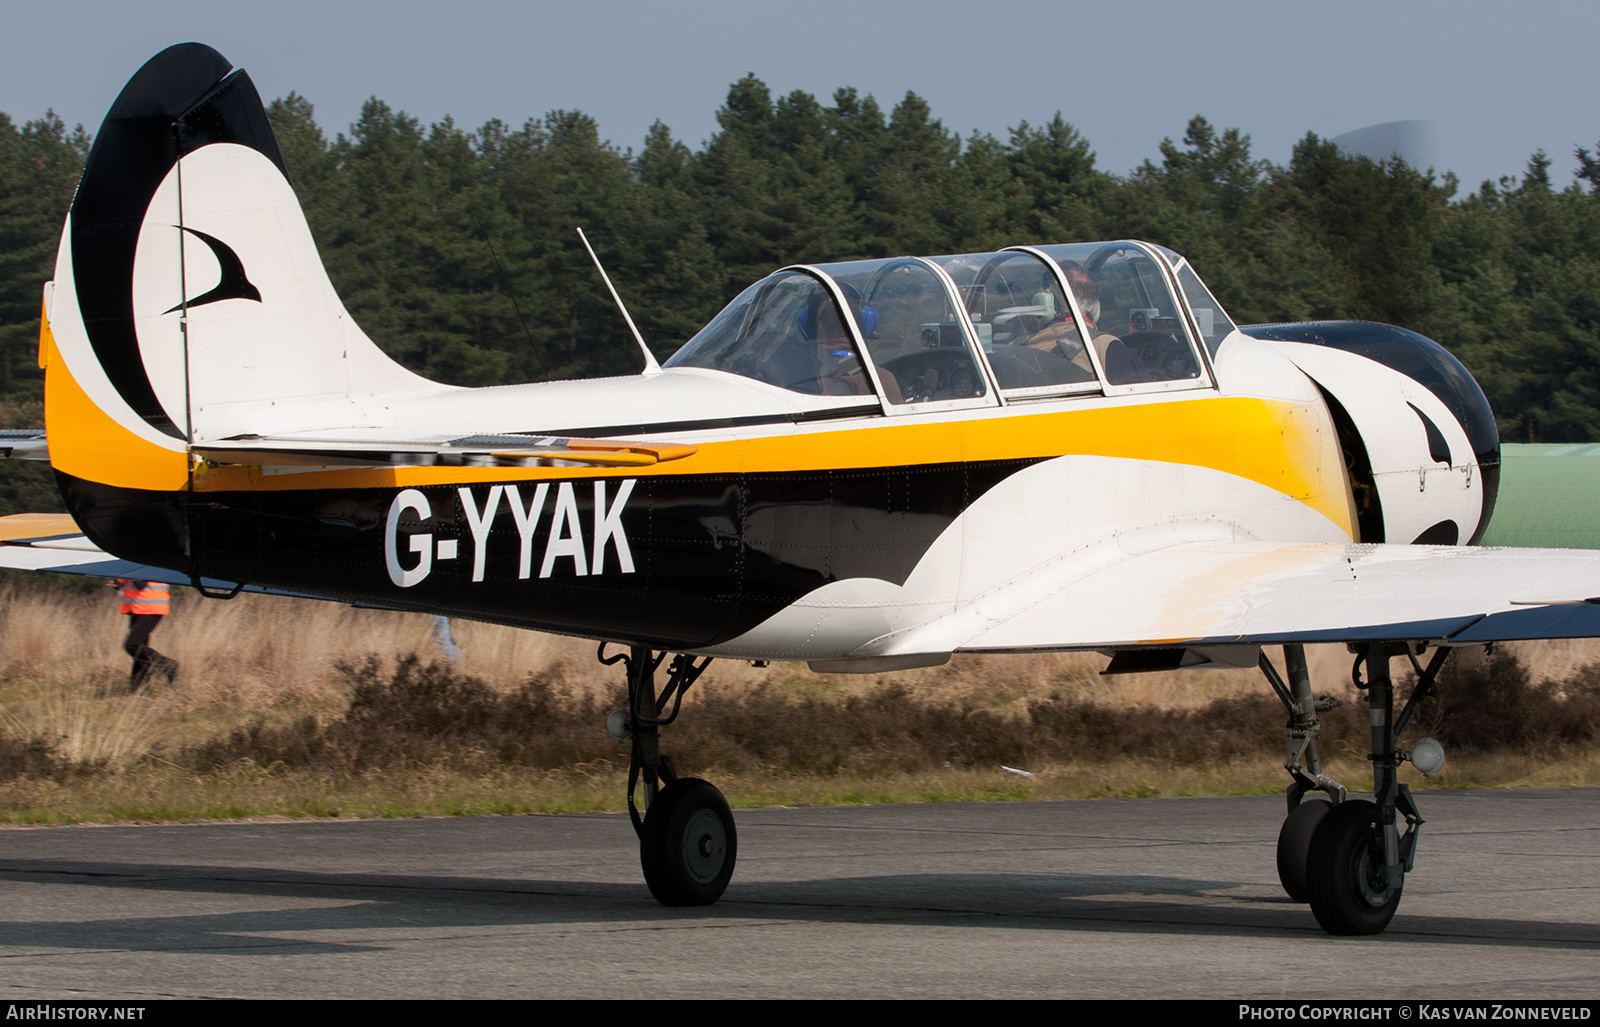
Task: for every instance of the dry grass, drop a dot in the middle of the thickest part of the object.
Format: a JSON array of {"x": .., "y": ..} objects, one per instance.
[
  {"x": 256, "y": 652},
  {"x": 87, "y": 727},
  {"x": 264, "y": 652},
  {"x": 213, "y": 743}
]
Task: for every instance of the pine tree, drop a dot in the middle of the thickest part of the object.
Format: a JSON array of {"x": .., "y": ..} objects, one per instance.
[{"x": 39, "y": 168}]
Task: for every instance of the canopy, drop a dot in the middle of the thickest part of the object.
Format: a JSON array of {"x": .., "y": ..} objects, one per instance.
[{"x": 957, "y": 330}]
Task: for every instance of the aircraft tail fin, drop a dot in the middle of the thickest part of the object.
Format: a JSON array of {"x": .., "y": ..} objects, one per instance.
[{"x": 189, "y": 302}]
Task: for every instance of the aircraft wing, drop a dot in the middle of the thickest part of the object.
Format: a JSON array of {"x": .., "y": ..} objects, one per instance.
[{"x": 1223, "y": 593}]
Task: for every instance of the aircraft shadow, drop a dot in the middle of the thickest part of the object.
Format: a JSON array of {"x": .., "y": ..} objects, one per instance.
[{"x": 399, "y": 903}]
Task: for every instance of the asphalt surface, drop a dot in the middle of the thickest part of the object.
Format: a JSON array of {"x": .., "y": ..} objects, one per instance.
[{"x": 1145, "y": 898}]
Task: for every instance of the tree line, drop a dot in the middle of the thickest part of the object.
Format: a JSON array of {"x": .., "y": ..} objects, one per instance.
[{"x": 455, "y": 249}]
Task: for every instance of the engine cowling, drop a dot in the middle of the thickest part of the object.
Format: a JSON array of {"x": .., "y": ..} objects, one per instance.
[{"x": 1419, "y": 439}]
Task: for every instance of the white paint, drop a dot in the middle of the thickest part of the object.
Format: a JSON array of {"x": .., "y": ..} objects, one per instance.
[
  {"x": 527, "y": 520},
  {"x": 297, "y": 341},
  {"x": 1024, "y": 541},
  {"x": 566, "y": 534},
  {"x": 420, "y": 544},
  {"x": 608, "y": 527},
  {"x": 1415, "y": 491},
  {"x": 479, "y": 523}
]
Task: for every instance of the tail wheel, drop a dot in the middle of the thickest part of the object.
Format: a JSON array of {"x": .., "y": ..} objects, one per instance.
[
  {"x": 1344, "y": 872},
  {"x": 1294, "y": 844},
  {"x": 688, "y": 845}
]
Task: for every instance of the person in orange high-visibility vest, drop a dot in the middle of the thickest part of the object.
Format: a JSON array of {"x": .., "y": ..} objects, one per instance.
[{"x": 145, "y": 603}]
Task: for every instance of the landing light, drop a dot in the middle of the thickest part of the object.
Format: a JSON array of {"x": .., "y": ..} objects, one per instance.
[{"x": 1428, "y": 757}]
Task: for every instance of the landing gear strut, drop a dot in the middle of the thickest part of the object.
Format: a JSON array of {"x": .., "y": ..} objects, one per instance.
[
  {"x": 687, "y": 841},
  {"x": 1304, "y": 764},
  {"x": 1349, "y": 858}
]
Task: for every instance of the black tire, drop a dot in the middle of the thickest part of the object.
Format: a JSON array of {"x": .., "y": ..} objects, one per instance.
[
  {"x": 1346, "y": 894},
  {"x": 1294, "y": 842},
  {"x": 689, "y": 844}
]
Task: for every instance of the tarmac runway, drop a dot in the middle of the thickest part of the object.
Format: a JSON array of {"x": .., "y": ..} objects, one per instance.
[{"x": 1141, "y": 898}]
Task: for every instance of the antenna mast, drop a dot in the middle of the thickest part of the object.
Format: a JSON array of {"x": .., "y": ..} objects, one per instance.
[{"x": 650, "y": 365}]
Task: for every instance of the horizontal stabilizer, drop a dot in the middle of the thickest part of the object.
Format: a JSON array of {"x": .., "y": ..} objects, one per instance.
[
  {"x": 23, "y": 444},
  {"x": 53, "y": 543}
]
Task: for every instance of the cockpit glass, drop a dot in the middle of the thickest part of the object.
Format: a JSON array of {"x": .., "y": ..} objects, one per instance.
[
  {"x": 786, "y": 331},
  {"x": 1173, "y": 257},
  {"x": 1021, "y": 318},
  {"x": 911, "y": 327},
  {"x": 1213, "y": 321},
  {"x": 1134, "y": 322}
]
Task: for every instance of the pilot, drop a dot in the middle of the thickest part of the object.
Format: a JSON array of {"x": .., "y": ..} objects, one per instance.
[{"x": 839, "y": 369}]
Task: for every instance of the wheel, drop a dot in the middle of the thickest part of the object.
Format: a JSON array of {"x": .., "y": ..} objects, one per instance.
[
  {"x": 1294, "y": 841},
  {"x": 689, "y": 844},
  {"x": 1344, "y": 875}
]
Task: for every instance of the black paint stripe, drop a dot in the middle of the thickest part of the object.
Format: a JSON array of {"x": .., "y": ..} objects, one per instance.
[
  {"x": 714, "y": 555},
  {"x": 1438, "y": 449},
  {"x": 234, "y": 283},
  {"x": 707, "y": 423}
]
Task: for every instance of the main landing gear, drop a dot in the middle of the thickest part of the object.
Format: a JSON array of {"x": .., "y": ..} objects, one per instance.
[
  {"x": 1348, "y": 857},
  {"x": 687, "y": 841}
]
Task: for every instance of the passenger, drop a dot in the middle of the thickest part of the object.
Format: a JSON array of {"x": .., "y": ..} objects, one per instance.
[
  {"x": 1120, "y": 364},
  {"x": 1061, "y": 336}
]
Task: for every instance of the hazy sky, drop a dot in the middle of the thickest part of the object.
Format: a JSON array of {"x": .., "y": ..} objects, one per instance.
[{"x": 1494, "y": 80}]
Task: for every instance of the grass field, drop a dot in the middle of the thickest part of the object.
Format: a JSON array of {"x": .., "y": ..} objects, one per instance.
[{"x": 297, "y": 708}]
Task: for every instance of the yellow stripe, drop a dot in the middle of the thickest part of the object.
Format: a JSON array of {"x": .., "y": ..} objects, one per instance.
[
  {"x": 1289, "y": 447},
  {"x": 87, "y": 443}
]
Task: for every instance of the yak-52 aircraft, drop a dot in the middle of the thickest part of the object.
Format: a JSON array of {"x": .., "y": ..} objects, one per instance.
[{"x": 866, "y": 465}]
